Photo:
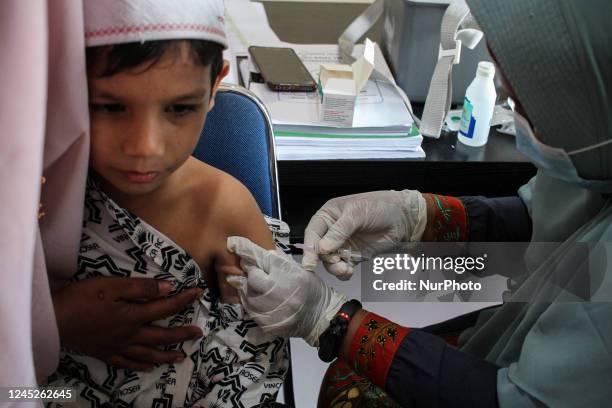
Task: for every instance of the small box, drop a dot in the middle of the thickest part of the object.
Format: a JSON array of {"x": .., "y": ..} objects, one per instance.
[
  {"x": 411, "y": 41},
  {"x": 339, "y": 86}
]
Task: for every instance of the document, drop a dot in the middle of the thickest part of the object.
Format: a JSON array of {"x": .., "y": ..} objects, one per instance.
[
  {"x": 382, "y": 128},
  {"x": 378, "y": 105}
]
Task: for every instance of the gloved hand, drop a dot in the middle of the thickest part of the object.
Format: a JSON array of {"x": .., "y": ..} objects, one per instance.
[
  {"x": 369, "y": 222},
  {"x": 283, "y": 298}
]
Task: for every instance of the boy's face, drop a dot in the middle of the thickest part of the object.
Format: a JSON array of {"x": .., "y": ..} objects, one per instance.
[{"x": 145, "y": 122}]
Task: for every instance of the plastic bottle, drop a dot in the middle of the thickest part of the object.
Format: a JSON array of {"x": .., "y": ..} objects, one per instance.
[{"x": 478, "y": 107}]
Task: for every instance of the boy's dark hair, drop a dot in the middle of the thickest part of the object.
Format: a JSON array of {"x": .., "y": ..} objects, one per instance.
[{"x": 122, "y": 57}]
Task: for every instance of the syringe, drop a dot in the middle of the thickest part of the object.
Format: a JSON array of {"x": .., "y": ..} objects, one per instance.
[{"x": 346, "y": 254}]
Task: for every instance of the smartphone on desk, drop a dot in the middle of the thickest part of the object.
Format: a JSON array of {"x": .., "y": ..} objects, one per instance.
[{"x": 282, "y": 70}]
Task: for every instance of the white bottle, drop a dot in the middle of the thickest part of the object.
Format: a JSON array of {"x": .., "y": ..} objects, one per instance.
[{"x": 478, "y": 107}]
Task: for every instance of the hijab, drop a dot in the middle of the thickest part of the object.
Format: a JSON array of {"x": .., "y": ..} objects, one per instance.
[{"x": 553, "y": 338}]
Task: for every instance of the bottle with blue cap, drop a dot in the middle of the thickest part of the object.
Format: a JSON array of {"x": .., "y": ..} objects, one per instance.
[{"x": 478, "y": 107}]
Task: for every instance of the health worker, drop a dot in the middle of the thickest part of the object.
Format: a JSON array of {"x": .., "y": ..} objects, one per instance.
[{"x": 556, "y": 60}]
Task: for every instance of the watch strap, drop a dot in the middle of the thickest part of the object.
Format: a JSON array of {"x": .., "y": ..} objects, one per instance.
[{"x": 331, "y": 339}]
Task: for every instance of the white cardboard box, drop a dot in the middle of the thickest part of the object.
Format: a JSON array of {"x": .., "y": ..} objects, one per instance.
[{"x": 339, "y": 86}]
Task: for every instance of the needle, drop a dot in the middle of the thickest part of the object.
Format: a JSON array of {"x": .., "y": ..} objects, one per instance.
[{"x": 344, "y": 253}]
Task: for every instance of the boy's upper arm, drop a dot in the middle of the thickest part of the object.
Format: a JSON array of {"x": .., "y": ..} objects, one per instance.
[
  {"x": 242, "y": 217},
  {"x": 238, "y": 215}
]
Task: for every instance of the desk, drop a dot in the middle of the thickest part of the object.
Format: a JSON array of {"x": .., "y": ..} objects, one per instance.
[{"x": 451, "y": 168}]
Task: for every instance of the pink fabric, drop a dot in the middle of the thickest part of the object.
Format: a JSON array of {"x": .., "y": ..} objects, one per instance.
[
  {"x": 40, "y": 108},
  {"x": 67, "y": 140}
]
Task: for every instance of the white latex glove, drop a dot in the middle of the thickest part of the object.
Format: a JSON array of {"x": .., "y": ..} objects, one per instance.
[
  {"x": 283, "y": 298},
  {"x": 369, "y": 223}
]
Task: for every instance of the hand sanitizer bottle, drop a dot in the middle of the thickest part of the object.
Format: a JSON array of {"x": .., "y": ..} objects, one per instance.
[{"x": 478, "y": 107}]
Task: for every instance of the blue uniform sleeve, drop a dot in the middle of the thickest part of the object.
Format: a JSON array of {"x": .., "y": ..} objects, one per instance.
[
  {"x": 427, "y": 372},
  {"x": 502, "y": 219},
  {"x": 418, "y": 368}
]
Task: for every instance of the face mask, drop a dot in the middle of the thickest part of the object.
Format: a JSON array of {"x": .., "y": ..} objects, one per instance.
[{"x": 554, "y": 161}]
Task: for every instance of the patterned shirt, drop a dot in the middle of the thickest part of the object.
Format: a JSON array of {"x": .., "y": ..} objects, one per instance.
[{"x": 234, "y": 365}]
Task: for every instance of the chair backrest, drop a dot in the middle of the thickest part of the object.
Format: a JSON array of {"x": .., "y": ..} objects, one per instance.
[{"x": 238, "y": 139}]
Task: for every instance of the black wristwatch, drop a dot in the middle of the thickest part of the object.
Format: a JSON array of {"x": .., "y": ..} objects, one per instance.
[{"x": 331, "y": 339}]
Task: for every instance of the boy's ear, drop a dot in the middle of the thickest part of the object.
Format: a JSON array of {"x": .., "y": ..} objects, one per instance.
[{"x": 215, "y": 87}]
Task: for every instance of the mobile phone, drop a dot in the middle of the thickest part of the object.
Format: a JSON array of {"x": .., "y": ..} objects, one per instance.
[{"x": 282, "y": 70}]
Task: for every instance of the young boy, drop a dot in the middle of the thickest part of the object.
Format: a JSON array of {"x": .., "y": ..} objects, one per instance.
[{"x": 153, "y": 210}]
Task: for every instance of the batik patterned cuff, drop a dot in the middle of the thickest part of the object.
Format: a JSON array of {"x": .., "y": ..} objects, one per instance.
[
  {"x": 450, "y": 219},
  {"x": 373, "y": 347}
]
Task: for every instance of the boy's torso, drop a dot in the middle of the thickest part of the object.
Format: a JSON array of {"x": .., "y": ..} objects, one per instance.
[
  {"x": 157, "y": 240},
  {"x": 183, "y": 212},
  {"x": 192, "y": 213}
]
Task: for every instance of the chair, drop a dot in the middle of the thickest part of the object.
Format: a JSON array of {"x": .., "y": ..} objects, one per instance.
[{"x": 238, "y": 139}]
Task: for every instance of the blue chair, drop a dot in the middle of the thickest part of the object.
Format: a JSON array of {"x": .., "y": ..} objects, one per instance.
[{"x": 238, "y": 139}]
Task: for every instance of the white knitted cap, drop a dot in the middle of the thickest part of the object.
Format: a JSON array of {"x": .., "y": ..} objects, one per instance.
[{"x": 121, "y": 21}]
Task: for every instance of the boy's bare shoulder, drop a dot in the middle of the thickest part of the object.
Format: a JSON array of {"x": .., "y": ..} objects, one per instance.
[
  {"x": 217, "y": 190},
  {"x": 227, "y": 202}
]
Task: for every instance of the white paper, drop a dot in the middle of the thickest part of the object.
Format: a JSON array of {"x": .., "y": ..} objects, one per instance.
[
  {"x": 381, "y": 114},
  {"x": 378, "y": 104},
  {"x": 299, "y": 153}
]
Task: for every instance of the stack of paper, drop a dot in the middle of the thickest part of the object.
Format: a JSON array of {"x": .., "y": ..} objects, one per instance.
[
  {"x": 382, "y": 125},
  {"x": 311, "y": 142}
]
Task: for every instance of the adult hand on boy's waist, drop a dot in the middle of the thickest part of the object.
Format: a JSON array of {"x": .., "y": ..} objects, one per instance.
[{"x": 108, "y": 318}]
